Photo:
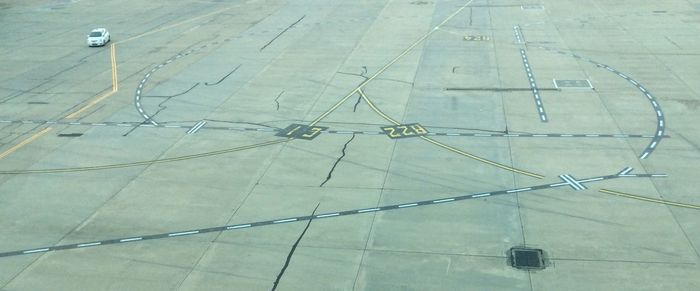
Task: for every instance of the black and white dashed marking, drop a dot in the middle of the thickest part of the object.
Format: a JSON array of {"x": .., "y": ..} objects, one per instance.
[
  {"x": 625, "y": 173},
  {"x": 518, "y": 33},
  {"x": 269, "y": 129},
  {"x": 660, "y": 119},
  {"x": 533, "y": 86}
]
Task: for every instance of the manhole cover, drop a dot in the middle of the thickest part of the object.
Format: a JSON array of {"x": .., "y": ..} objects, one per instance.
[
  {"x": 578, "y": 84},
  {"x": 526, "y": 258}
]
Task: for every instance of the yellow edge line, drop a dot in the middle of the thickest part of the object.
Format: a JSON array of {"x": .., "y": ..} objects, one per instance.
[
  {"x": 24, "y": 142},
  {"x": 647, "y": 199},
  {"x": 115, "y": 86},
  {"x": 447, "y": 147}
]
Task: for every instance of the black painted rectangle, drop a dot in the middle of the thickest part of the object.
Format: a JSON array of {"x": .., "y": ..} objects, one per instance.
[{"x": 301, "y": 131}]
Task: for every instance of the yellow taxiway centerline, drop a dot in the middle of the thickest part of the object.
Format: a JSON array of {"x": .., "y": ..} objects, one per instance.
[
  {"x": 448, "y": 147},
  {"x": 385, "y": 67},
  {"x": 648, "y": 199},
  {"x": 24, "y": 142},
  {"x": 115, "y": 86}
]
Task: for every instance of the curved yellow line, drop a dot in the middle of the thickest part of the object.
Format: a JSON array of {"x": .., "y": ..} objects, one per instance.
[{"x": 448, "y": 147}]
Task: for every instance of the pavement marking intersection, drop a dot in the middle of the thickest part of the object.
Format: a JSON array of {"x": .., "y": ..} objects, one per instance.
[{"x": 448, "y": 147}]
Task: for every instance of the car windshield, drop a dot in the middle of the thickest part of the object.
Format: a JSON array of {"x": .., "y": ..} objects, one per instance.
[{"x": 95, "y": 34}]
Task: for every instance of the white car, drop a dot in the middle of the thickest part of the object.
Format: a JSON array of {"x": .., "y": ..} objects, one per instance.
[{"x": 98, "y": 37}]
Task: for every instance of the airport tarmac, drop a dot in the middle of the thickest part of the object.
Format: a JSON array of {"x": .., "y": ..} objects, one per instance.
[{"x": 350, "y": 145}]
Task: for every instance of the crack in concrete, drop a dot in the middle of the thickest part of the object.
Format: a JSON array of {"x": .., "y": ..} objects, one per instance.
[{"x": 330, "y": 173}]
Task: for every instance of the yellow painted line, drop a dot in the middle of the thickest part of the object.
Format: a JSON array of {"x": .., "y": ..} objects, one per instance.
[
  {"x": 175, "y": 24},
  {"x": 115, "y": 77},
  {"x": 648, "y": 199},
  {"x": 385, "y": 67},
  {"x": 24, "y": 142},
  {"x": 115, "y": 86},
  {"x": 448, "y": 147}
]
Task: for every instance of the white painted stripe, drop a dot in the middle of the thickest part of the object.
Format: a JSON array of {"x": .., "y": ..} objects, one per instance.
[
  {"x": 481, "y": 195},
  {"x": 643, "y": 90},
  {"x": 626, "y": 170},
  {"x": 74, "y": 123},
  {"x": 481, "y": 134},
  {"x": 644, "y": 156},
  {"x": 658, "y": 113},
  {"x": 99, "y": 124},
  {"x": 452, "y": 134},
  {"x": 518, "y": 190},
  {"x": 173, "y": 126},
  {"x": 197, "y": 126},
  {"x": 89, "y": 244},
  {"x": 659, "y": 175},
  {"x": 123, "y": 124},
  {"x": 344, "y": 132},
  {"x": 591, "y": 180},
  {"x": 130, "y": 239},
  {"x": 238, "y": 226},
  {"x": 565, "y": 135},
  {"x": 510, "y": 135},
  {"x": 540, "y": 135},
  {"x": 367, "y": 210},
  {"x": 408, "y": 205},
  {"x": 35, "y": 251},
  {"x": 621, "y": 135},
  {"x": 661, "y": 123},
  {"x": 653, "y": 145},
  {"x": 444, "y": 200},
  {"x": 592, "y": 135},
  {"x": 183, "y": 233},
  {"x": 575, "y": 183},
  {"x": 327, "y": 215},
  {"x": 285, "y": 220}
]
